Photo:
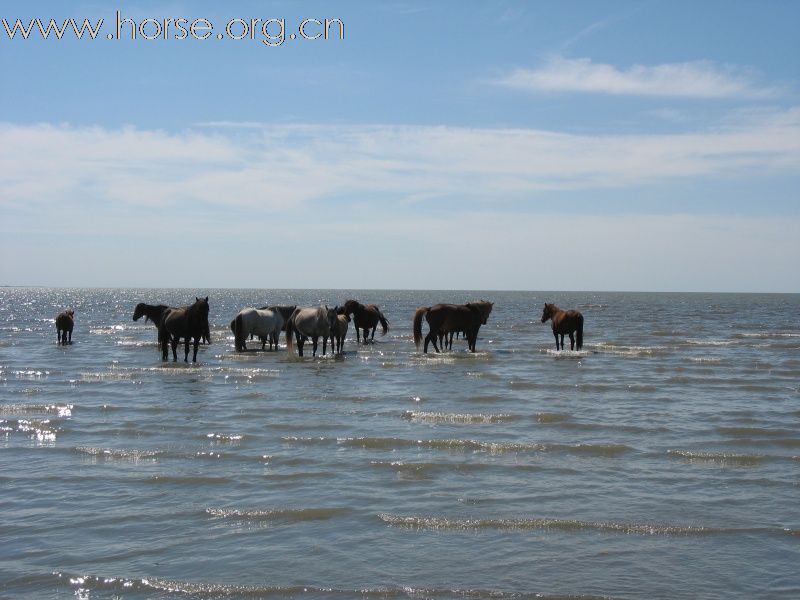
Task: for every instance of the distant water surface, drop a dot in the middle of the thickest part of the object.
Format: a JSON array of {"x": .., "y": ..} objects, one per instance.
[{"x": 662, "y": 461}]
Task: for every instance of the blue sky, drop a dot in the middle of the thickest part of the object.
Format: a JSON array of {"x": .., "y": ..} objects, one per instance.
[{"x": 449, "y": 145}]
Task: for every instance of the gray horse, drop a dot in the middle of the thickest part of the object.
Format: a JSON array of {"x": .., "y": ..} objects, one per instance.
[{"x": 311, "y": 323}]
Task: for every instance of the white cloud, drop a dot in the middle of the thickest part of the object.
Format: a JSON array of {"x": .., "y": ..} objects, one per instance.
[
  {"x": 278, "y": 167},
  {"x": 696, "y": 79}
]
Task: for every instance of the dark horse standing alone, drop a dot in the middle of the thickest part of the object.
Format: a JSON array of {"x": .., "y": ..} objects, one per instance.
[
  {"x": 186, "y": 322},
  {"x": 365, "y": 318},
  {"x": 565, "y": 322},
  {"x": 65, "y": 322},
  {"x": 452, "y": 317}
]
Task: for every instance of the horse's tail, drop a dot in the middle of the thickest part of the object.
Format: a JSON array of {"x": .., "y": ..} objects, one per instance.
[
  {"x": 290, "y": 331},
  {"x": 579, "y": 341},
  {"x": 418, "y": 324},
  {"x": 233, "y": 326},
  {"x": 384, "y": 323},
  {"x": 237, "y": 331}
]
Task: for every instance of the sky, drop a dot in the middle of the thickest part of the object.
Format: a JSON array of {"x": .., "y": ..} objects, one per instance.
[{"x": 564, "y": 145}]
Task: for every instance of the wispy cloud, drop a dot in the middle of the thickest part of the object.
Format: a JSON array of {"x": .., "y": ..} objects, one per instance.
[
  {"x": 273, "y": 167},
  {"x": 695, "y": 79}
]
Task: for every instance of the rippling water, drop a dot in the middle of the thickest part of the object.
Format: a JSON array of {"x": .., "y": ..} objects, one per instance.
[{"x": 662, "y": 461}]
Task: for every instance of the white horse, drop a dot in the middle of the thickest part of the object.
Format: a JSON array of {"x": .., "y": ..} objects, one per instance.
[
  {"x": 339, "y": 333},
  {"x": 311, "y": 323},
  {"x": 265, "y": 323}
]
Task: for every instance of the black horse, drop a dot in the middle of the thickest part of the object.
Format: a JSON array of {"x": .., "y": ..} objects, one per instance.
[
  {"x": 365, "y": 317},
  {"x": 188, "y": 322},
  {"x": 65, "y": 322},
  {"x": 154, "y": 314}
]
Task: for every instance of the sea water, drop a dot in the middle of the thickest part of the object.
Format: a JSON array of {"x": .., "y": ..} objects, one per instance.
[{"x": 660, "y": 461}]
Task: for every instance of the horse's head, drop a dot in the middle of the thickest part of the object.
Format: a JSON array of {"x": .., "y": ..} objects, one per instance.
[
  {"x": 138, "y": 312},
  {"x": 70, "y": 313},
  {"x": 331, "y": 316},
  {"x": 349, "y": 307},
  {"x": 547, "y": 312},
  {"x": 201, "y": 306},
  {"x": 483, "y": 308}
]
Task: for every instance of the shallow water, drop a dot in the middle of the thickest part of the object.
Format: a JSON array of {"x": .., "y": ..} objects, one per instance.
[{"x": 662, "y": 461}]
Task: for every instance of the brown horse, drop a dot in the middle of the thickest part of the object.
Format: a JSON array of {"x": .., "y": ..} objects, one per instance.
[
  {"x": 452, "y": 317},
  {"x": 365, "y": 317},
  {"x": 65, "y": 322},
  {"x": 565, "y": 322}
]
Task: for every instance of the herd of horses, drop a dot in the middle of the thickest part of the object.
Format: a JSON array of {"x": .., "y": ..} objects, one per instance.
[{"x": 301, "y": 324}]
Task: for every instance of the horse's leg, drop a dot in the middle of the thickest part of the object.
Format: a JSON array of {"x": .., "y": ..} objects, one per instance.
[
  {"x": 196, "y": 344},
  {"x": 358, "y": 334},
  {"x": 325, "y": 345},
  {"x": 186, "y": 349},
  {"x": 555, "y": 335},
  {"x": 315, "y": 342},
  {"x": 372, "y": 337},
  {"x": 366, "y": 334},
  {"x": 432, "y": 338},
  {"x": 562, "y": 341},
  {"x": 571, "y": 341},
  {"x": 174, "y": 342}
]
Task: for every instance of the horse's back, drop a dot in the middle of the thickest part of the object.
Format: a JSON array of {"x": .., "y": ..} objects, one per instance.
[{"x": 311, "y": 321}]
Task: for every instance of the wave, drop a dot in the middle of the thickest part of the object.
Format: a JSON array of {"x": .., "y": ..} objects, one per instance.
[
  {"x": 439, "y": 417},
  {"x": 706, "y": 342},
  {"x": 294, "y": 515},
  {"x": 705, "y": 359},
  {"x": 568, "y": 525},
  {"x": 230, "y": 438},
  {"x": 424, "y": 470},
  {"x": 30, "y": 373},
  {"x": 383, "y": 443},
  {"x": 107, "y": 330},
  {"x": 623, "y": 350},
  {"x": 151, "y": 585},
  {"x": 62, "y": 410},
  {"x": 119, "y": 453},
  {"x": 765, "y": 335},
  {"x": 719, "y": 457},
  {"x": 567, "y": 353}
]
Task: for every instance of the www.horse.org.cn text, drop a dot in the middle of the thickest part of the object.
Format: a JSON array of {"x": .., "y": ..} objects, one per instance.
[{"x": 270, "y": 32}]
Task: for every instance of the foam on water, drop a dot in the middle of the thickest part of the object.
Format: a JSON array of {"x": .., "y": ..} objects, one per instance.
[
  {"x": 569, "y": 525},
  {"x": 435, "y": 417}
]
